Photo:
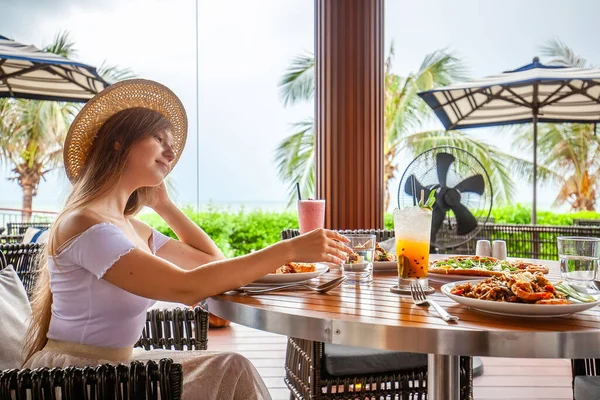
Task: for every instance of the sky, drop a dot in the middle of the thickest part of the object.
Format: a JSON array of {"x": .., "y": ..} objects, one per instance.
[{"x": 244, "y": 48}]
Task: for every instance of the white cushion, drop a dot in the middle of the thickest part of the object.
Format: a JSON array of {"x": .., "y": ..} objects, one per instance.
[
  {"x": 15, "y": 312},
  {"x": 35, "y": 235}
]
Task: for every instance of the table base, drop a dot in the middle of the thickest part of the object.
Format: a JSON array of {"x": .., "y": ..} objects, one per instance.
[{"x": 443, "y": 377}]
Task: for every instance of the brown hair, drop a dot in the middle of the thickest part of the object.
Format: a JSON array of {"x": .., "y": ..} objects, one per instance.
[{"x": 103, "y": 167}]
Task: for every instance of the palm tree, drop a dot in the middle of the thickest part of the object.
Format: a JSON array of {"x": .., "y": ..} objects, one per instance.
[
  {"x": 570, "y": 151},
  {"x": 32, "y": 132},
  {"x": 404, "y": 116},
  {"x": 31, "y": 141}
]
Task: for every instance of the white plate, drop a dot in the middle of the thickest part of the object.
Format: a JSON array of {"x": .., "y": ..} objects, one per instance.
[
  {"x": 516, "y": 309},
  {"x": 291, "y": 278},
  {"x": 445, "y": 278},
  {"x": 385, "y": 266}
]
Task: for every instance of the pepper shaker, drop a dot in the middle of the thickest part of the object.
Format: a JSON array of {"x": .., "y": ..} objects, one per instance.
[
  {"x": 484, "y": 248},
  {"x": 499, "y": 249}
]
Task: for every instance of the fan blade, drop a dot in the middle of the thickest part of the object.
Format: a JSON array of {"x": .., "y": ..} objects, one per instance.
[
  {"x": 444, "y": 160},
  {"x": 437, "y": 219},
  {"x": 473, "y": 184},
  {"x": 465, "y": 221},
  {"x": 408, "y": 187}
]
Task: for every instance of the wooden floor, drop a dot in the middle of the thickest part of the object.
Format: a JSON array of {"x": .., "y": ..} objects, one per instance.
[{"x": 504, "y": 378}]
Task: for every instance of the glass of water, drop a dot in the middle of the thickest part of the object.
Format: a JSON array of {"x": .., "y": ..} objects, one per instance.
[
  {"x": 578, "y": 259},
  {"x": 358, "y": 267}
]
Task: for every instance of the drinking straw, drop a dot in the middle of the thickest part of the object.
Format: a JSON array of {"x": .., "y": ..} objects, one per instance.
[
  {"x": 414, "y": 189},
  {"x": 298, "y": 190}
]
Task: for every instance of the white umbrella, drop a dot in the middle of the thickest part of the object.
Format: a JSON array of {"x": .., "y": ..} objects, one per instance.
[
  {"x": 533, "y": 93},
  {"x": 27, "y": 72}
]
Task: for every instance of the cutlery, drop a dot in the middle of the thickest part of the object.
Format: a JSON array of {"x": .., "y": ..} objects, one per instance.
[
  {"x": 324, "y": 288},
  {"x": 420, "y": 299}
]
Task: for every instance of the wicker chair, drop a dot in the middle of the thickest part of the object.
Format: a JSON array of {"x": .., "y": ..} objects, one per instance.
[
  {"x": 586, "y": 222},
  {"x": 586, "y": 379},
  {"x": 307, "y": 377},
  {"x": 19, "y": 228},
  {"x": 11, "y": 239},
  {"x": 176, "y": 329}
]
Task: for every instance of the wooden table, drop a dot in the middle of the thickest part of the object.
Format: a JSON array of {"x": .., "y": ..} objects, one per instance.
[{"x": 372, "y": 316}]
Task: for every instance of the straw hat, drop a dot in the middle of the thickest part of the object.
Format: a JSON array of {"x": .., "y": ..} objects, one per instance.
[{"x": 118, "y": 97}]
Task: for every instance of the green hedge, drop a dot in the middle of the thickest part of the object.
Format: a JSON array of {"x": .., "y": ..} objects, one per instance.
[
  {"x": 520, "y": 214},
  {"x": 238, "y": 232},
  {"x": 235, "y": 233}
]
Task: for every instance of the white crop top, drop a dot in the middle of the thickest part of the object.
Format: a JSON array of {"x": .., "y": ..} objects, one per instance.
[{"x": 87, "y": 309}]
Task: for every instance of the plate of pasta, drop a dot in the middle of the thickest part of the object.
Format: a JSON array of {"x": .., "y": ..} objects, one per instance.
[{"x": 523, "y": 294}]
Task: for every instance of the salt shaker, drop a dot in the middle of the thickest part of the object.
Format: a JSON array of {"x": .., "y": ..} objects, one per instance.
[
  {"x": 484, "y": 248},
  {"x": 499, "y": 249}
]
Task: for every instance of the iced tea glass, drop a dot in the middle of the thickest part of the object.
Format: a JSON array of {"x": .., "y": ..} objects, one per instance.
[{"x": 412, "y": 227}]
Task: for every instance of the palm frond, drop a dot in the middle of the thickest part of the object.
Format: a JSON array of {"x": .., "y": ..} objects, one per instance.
[
  {"x": 295, "y": 160},
  {"x": 562, "y": 54},
  {"x": 298, "y": 81},
  {"x": 114, "y": 73},
  {"x": 62, "y": 45},
  {"x": 440, "y": 68}
]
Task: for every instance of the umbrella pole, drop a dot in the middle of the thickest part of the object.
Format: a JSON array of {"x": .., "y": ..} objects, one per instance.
[{"x": 534, "y": 207}]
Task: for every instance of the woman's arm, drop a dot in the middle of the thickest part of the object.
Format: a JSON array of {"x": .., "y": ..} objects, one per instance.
[
  {"x": 194, "y": 247},
  {"x": 188, "y": 232},
  {"x": 145, "y": 275}
]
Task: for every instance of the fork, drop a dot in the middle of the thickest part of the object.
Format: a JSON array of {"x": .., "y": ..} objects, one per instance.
[
  {"x": 420, "y": 299},
  {"x": 324, "y": 288}
]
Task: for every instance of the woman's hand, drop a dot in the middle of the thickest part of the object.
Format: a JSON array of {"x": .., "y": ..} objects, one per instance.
[
  {"x": 320, "y": 245},
  {"x": 160, "y": 199}
]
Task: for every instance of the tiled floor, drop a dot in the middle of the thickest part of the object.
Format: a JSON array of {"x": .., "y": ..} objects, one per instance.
[{"x": 504, "y": 378}]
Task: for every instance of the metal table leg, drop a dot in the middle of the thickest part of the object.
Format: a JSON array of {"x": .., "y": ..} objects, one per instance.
[{"x": 443, "y": 377}]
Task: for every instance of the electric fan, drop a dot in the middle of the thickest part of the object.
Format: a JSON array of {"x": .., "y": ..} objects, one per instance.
[{"x": 463, "y": 193}]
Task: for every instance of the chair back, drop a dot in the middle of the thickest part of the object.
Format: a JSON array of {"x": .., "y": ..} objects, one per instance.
[
  {"x": 23, "y": 258},
  {"x": 11, "y": 239},
  {"x": 586, "y": 222},
  {"x": 19, "y": 228}
]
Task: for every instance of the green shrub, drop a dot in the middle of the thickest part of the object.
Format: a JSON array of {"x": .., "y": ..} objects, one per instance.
[
  {"x": 520, "y": 214},
  {"x": 235, "y": 233}
]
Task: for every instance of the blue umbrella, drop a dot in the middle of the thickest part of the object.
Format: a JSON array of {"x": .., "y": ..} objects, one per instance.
[
  {"x": 30, "y": 73},
  {"x": 533, "y": 93}
]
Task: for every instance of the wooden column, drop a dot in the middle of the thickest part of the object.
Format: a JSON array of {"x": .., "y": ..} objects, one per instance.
[{"x": 349, "y": 112}]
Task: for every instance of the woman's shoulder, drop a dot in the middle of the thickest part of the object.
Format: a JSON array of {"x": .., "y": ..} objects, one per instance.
[{"x": 73, "y": 225}]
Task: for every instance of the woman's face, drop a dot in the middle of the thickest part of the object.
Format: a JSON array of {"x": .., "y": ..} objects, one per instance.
[{"x": 149, "y": 160}]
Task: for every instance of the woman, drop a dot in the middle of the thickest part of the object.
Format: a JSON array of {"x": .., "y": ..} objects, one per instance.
[{"x": 103, "y": 266}]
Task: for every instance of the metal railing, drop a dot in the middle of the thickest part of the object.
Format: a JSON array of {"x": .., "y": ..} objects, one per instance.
[{"x": 18, "y": 215}]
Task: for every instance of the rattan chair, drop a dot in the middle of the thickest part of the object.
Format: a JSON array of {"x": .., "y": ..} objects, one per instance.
[
  {"x": 308, "y": 379},
  {"x": 11, "y": 239},
  {"x": 136, "y": 380},
  {"x": 19, "y": 228},
  {"x": 586, "y": 379},
  {"x": 586, "y": 222},
  {"x": 170, "y": 329}
]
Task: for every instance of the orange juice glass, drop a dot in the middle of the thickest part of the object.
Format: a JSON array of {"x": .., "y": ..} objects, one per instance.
[{"x": 412, "y": 227}]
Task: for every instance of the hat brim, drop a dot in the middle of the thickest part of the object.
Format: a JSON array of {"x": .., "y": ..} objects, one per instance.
[{"x": 118, "y": 97}]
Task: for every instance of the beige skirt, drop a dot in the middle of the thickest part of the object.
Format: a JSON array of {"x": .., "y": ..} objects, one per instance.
[{"x": 206, "y": 374}]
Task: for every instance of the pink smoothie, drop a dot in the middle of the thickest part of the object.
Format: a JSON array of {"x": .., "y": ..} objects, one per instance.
[{"x": 311, "y": 215}]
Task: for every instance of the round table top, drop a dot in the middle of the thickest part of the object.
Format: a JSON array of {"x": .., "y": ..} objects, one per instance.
[{"x": 372, "y": 316}]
